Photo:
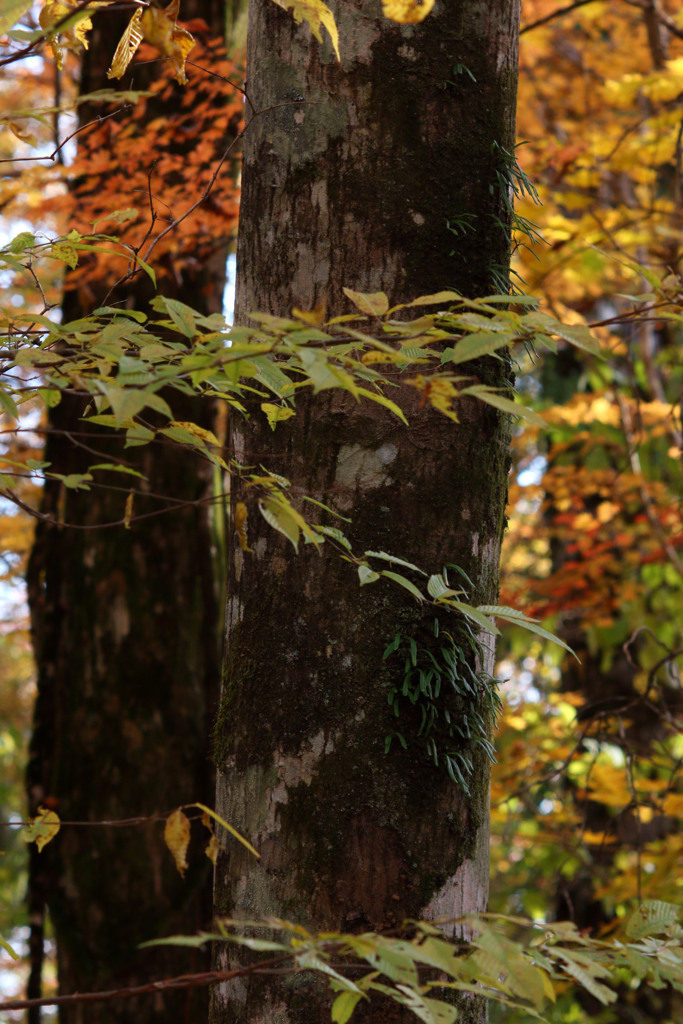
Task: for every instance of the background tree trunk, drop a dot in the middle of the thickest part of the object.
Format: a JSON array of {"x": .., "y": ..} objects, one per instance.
[
  {"x": 126, "y": 636},
  {"x": 381, "y": 172}
]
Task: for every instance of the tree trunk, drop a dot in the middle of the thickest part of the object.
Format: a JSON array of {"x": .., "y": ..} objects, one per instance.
[
  {"x": 126, "y": 636},
  {"x": 378, "y": 173}
]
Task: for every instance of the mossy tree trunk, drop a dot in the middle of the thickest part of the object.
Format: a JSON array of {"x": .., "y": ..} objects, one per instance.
[
  {"x": 127, "y": 643},
  {"x": 354, "y": 176}
]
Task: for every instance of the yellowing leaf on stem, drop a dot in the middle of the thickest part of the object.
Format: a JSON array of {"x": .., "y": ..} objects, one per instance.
[
  {"x": 20, "y": 133},
  {"x": 315, "y": 317},
  {"x": 177, "y": 838},
  {"x": 127, "y": 45},
  {"x": 373, "y": 303},
  {"x": 72, "y": 33},
  {"x": 240, "y": 519},
  {"x": 316, "y": 14},
  {"x": 128, "y": 511},
  {"x": 276, "y": 413},
  {"x": 42, "y": 829},
  {"x": 407, "y": 12},
  {"x": 211, "y": 850},
  {"x": 158, "y": 27},
  {"x": 207, "y": 812}
]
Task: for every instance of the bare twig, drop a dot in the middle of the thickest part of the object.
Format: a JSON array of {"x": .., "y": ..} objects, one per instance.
[
  {"x": 179, "y": 982},
  {"x": 554, "y": 14}
]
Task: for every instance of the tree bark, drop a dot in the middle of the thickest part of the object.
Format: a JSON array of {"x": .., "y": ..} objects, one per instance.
[
  {"x": 127, "y": 643},
  {"x": 377, "y": 173}
]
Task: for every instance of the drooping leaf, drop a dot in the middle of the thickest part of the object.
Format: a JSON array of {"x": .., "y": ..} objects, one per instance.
[
  {"x": 177, "y": 838},
  {"x": 407, "y": 12},
  {"x": 493, "y": 397},
  {"x": 367, "y": 575},
  {"x": 316, "y": 14},
  {"x": 240, "y": 523},
  {"x": 344, "y": 1005},
  {"x": 404, "y": 582},
  {"x": 42, "y": 829},
  {"x": 127, "y": 46},
  {"x": 276, "y": 413},
  {"x": 372, "y": 303},
  {"x": 65, "y": 25},
  {"x": 160, "y": 29},
  {"x": 228, "y": 827}
]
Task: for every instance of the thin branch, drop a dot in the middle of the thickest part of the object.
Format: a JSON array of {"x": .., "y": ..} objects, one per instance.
[
  {"x": 179, "y": 982},
  {"x": 554, "y": 14}
]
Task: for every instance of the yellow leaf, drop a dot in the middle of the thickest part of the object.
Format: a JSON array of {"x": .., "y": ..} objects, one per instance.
[
  {"x": 316, "y": 13},
  {"x": 374, "y": 303},
  {"x": 211, "y": 850},
  {"x": 128, "y": 44},
  {"x": 177, "y": 838},
  {"x": 128, "y": 512},
  {"x": 241, "y": 516},
  {"x": 226, "y": 826},
  {"x": 42, "y": 829},
  {"x": 407, "y": 12},
  {"x": 205, "y": 435},
  {"x": 72, "y": 34},
  {"x": 21, "y": 133},
  {"x": 276, "y": 413},
  {"x": 315, "y": 317},
  {"x": 160, "y": 29}
]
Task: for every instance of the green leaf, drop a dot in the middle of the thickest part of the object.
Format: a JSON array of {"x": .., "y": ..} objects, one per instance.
[
  {"x": 335, "y": 534},
  {"x": 517, "y": 618},
  {"x": 583, "y": 971},
  {"x": 74, "y": 481},
  {"x": 24, "y": 240},
  {"x": 367, "y": 575},
  {"x": 181, "y": 315},
  {"x": 437, "y": 299},
  {"x": 576, "y": 334},
  {"x": 8, "y": 404},
  {"x": 125, "y": 403},
  {"x": 51, "y": 396},
  {"x": 437, "y": 587},
  {"x": 272, "y": 376},
  {"x": 115, "y": 312},
  {"x": 278, "y": 516},
  {"x": 475, "y": 614},
  {"x": 147, "y": 269},
  {"x": 65, "y": 253},
  {"x": 493, "y": 397},
  {"x": 405, "y": 583},
  {"x": 5, "y": 945},
  {"x": 651, "y": 918},
  {"x": 480, "y": 344},
  {"x": 344, "y": 1005},
  {"x": 186, "y": 941},
  {"x": 376, "y": 396},
  {"x": 393, "y": 559},
  {"x": 116, "y": 468}
]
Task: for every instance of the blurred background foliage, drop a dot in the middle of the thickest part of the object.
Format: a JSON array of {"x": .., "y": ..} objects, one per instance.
[{"x": 587, "y": 797}]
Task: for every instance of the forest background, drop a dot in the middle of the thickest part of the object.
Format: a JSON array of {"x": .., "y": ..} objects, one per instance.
[{"x": 587, "y": 800}]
